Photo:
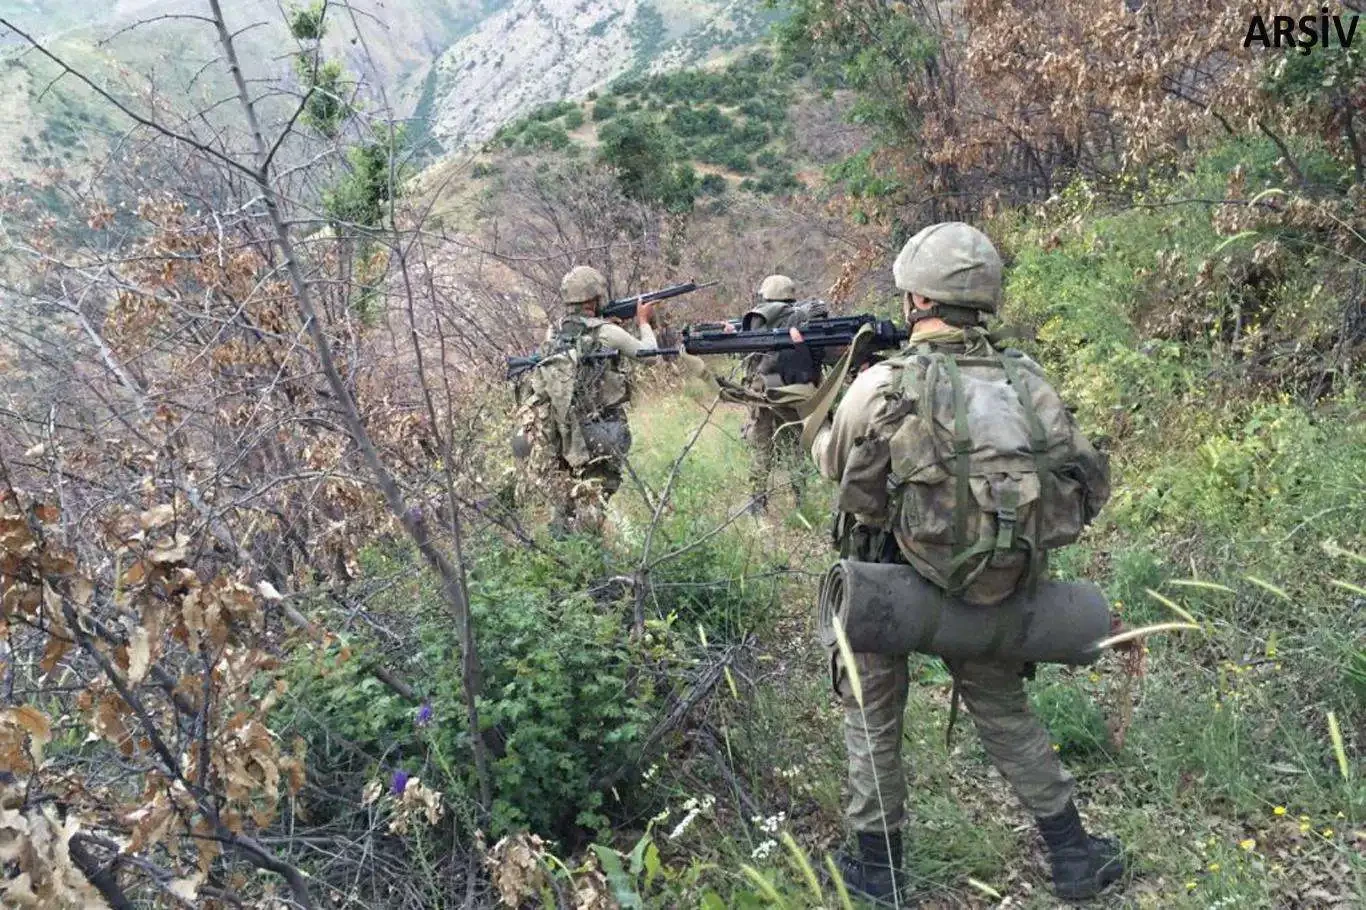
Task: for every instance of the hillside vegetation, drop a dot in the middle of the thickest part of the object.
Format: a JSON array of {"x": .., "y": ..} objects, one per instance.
[{"x": 282, "y": 622}]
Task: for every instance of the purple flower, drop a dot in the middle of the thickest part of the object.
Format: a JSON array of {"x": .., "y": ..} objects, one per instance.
[
  {"x": 424, "y": 715},
  {"x": 399, "y": 783}
]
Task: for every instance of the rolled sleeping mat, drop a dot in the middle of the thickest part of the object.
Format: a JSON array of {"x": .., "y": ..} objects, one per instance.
[{"x": 891, "y": 609}]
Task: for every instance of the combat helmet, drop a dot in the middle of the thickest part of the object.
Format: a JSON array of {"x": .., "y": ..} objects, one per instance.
[
  {"x": 582, "y": 284},
  {"x": 956, "y": 266},
  {"x": 778, "y": 287}
]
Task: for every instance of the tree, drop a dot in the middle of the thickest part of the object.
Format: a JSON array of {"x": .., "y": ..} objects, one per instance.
[{"x": 639, "y": 151}]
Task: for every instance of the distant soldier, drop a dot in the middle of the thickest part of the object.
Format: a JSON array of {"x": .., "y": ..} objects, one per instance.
[
  {"x": 572, "y": 407},
  {"x": 777, "y": 380},
  {"x": 960, "y": 461}
]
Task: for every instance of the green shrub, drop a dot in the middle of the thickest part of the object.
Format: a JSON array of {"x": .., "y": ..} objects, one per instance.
[
  {"x": 713, "y": 185},
  {"x": 573, "y": 119},
  {"x": 544, "y": 136},
  {"x": 605, "y": 108},
  {"x": 562, "y": 700}
]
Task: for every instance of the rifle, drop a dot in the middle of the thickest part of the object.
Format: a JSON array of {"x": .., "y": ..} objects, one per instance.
[
  {"x": 519, "y": 365},
  {"x": 516, "y": 366},
  {"x": 625, "y": 308}
]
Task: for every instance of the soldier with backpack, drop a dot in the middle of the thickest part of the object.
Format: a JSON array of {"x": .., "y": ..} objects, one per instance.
[
  {"x": 572, "y": 408},
  {"x": 960, "y": 460},
  {"x": 572, "y": 403},
  {"x": 776, "y": 379}
]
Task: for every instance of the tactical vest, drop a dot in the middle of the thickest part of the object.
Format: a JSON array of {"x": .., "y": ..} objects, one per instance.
[{"x": 776, "y": 369}]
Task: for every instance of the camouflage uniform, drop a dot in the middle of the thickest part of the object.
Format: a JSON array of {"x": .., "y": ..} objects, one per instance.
[
  {"x": 957, "y": 272},
  {"x": 992, "y": 692},
  {"x": 572, "y": 409},
  {"x": 773, "y": 430}
]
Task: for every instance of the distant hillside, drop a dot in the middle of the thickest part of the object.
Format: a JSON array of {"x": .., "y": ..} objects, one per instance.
[
  {"x": 460, "y": 68},
  {"x": 538, "y": 51}
]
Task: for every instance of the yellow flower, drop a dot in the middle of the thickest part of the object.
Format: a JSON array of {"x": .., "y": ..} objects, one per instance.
[
  {"x": 1327, "y": 832},
  {"x": 1214, "y": 867},
  {"x": 1304, "y": 827},
  {"x": 1190, "y": 886},
  {"x": 1248, "y": 843},
  {"x": 1056, "y": 747},
  {"x": 1279, "y": 810}
]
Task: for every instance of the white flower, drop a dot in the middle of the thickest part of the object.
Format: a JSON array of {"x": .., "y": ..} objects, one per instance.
[
  {"x": 683, "y": 825},
  {"x": 763, "y": 850},
  {"x": 770, "y": 825}
]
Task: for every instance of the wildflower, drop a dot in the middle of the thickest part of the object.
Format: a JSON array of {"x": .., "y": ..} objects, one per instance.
[
  {"x": 399, "y": 783},
  {"x": 771, "y": 824},
  {"x": 1190, "y": 886},
  {"x": 763, "y": 850},
  {"x": 424, "y": 715},
  {"x": 1304, "y": 826},
  {"x": 1248, "y": 843},
  {"x": 1214, "y": 867},
  {"x": 682, "y": 826},
  {"x": 1279, "y": 810},
  {"x": 1056, "y": 747},
  {"x": 1327, "y": 832}
]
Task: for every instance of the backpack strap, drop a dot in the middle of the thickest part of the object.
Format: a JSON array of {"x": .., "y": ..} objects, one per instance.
[
  {"x": 1038, "y": 445},
  {"x": 962, "y": 450}
]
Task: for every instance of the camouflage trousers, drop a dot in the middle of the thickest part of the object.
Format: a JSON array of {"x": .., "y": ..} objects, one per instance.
[
  {"x": 582, "y": 505},
  {"x": 773, "y": 447},
  {"x": 993, "y": 694}
]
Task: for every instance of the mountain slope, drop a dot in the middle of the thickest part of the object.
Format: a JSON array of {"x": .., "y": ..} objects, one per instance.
[{"x": 535, "y": 51}]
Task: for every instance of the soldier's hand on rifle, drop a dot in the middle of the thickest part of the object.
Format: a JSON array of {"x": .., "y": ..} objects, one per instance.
[
  {"x": 796, "y": 335},
  {"x": 729, "y": 328},
  {"x": 644, "y": 310}
]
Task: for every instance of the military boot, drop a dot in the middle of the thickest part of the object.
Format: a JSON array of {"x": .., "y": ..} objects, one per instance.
[
  {"x": 1083, "y": 865},
  {"x": 875, "y": 873}
]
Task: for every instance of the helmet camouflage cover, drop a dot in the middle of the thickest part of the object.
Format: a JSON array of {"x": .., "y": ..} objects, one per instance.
[
  {"x": 951, "y": 263},
  {"x": 581, "y": 284},
  {"x": 778, "y": 287}
]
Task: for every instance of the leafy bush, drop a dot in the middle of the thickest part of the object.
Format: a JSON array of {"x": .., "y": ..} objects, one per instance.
[
  {"x": 563, "y": 699},
  {"x": 573, "y": 119},
  {"x": 544, "y": 136},
  {"x": 713, "y": 185},
  {"x": 646, "y": 163},
  {"x": 605, "y": 108}
]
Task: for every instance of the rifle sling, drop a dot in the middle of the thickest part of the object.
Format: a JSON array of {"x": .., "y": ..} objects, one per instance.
[{"x": 815, "y": 409}]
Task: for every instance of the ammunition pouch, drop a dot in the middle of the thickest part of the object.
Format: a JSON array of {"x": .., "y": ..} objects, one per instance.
[{"x": 607, "y": 438}]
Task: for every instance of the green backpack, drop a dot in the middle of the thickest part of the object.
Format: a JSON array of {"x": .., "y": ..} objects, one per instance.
[
  {"x": 988, "y": 471},
  {"x": 569, "y": 395}
]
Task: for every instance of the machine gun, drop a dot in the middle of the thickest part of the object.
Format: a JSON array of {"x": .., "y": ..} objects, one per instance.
[
  {"x": 818, "y": 334},
  {"x": 625, "y": 308}
]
